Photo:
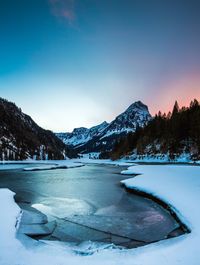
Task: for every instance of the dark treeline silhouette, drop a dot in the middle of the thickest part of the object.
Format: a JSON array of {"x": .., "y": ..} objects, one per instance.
[{"x": 173, "y": 134}]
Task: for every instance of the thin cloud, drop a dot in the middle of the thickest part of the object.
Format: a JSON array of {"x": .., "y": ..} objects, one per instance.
[{"x": 63, "y": 9}]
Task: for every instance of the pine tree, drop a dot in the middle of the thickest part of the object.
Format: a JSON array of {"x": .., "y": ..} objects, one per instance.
[{"x": 175, "y": 108}]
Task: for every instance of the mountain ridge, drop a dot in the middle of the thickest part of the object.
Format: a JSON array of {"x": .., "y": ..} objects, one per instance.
[
  {"x": 103, "y": 136},
  {"x": 21, "y": 138}
]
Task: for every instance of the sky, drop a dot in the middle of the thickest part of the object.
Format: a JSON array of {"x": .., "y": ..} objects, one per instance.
[{"x": 73, "y": 63}]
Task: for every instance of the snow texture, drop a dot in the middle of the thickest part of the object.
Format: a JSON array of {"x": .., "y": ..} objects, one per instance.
[
  {"x": 179, "y": 186},
  {"x": 82, "y": 135}
]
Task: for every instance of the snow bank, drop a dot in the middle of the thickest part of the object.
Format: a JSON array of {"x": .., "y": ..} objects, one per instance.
[
  {"x": 8, "y": 222},
  {"x": 40, "y": 164},
  {"x": 179, "y": 186},
  {"x": 52, "y": 167}
]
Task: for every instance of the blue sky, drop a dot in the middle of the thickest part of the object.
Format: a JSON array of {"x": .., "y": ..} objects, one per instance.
[{"x": 71, "y": 63}]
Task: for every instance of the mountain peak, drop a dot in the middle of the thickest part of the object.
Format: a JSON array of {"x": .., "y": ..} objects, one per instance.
[
  {"x": 137, "y": 105},
  {"x": 98, "y": 137},
  {"x": 136, "y": 115}
]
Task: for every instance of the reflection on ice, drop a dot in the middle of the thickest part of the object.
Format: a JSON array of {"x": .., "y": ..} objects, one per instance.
[{"x": 64, "y": 207}]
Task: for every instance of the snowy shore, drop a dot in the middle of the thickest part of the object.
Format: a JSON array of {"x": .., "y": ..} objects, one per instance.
[
  {"x": 179, "y": 186},
  {"x": 184, "y": 158},
  {"x": 36, "y": 165}
]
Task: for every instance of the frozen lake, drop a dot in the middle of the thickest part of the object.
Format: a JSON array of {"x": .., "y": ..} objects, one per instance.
[{"x": 88, "y": 203}]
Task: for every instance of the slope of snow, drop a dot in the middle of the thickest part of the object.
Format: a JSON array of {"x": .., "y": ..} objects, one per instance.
[{"x": 177, "y": 185}]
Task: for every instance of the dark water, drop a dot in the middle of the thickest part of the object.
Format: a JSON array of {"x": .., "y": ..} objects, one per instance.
[{"x": 88, "y": 203}]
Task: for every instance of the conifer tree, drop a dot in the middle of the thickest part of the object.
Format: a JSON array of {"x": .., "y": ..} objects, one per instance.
[{"x": 175, "y": 109}]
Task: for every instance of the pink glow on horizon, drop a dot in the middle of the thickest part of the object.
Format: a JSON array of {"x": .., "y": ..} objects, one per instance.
[{"x": 183, "y": 90}]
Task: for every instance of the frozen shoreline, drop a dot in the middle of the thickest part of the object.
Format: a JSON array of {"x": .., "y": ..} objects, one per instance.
[
  {"x": 141, "y": 160},
  {"x": 179, "y": 186},
  {"x": 58, "y": 164}
]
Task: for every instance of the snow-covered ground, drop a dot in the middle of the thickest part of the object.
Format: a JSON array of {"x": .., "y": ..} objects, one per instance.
[
  {"x": 32, "y": 165},
  {"x": 179, "y": 186},
  {"x": 87, "y": 160},
  {"x": 161, "y": 158}
]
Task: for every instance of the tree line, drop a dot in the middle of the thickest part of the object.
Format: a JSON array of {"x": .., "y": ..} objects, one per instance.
[{"x": 174, "y": 133}]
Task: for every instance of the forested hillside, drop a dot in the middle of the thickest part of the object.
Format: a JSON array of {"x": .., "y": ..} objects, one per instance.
[
  {"x": 174, "y": 133},
  {"x": 22, "y": 138}
]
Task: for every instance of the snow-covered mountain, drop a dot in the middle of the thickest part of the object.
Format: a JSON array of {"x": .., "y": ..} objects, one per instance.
[
  {"x": 102, "y": 137},
  {"x": 137, "y": 115},
  {"x": 82, "y": 135}
]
